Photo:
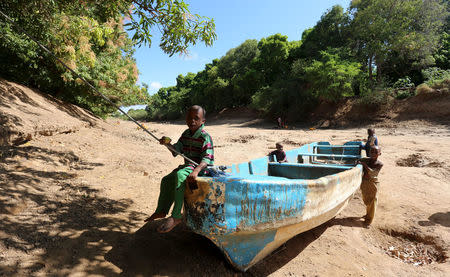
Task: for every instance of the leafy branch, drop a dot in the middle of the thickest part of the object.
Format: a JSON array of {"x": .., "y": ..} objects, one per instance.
[{"x": 179, "y": 28}]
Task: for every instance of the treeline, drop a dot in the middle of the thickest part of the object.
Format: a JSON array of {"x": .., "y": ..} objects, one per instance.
[
  {"x": 89, "y": 37},
  {"x": 372, "y": 46}
]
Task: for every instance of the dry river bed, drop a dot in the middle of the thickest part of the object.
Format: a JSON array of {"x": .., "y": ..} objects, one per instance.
[{"x": 73, "y": 205}]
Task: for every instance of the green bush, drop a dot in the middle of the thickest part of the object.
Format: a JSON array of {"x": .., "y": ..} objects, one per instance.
[
  {"x": 403, "y": 94},
  {"x": 374, "y": 98},
  {"x": 434, "y": 75},
  {"x": 403, "y": 88},
  {"x": 140, "y": 115},
  {"x": 403, "y": 83}
]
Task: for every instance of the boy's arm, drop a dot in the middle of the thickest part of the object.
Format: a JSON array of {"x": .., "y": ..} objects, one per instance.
[
  {"x": 378, "y": 165},
  {"x": 191, "y": 177},
  {"x": 364, "y": 164},
  {"x": 178, "y": 146},
  {"x": 196, "y": 171}
]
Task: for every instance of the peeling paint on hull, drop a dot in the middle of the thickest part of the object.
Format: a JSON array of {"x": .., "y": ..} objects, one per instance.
[{"x": 249, "y": 215}]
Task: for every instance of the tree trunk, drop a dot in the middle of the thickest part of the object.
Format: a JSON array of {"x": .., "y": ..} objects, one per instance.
[{"x": 379, "y": 73}]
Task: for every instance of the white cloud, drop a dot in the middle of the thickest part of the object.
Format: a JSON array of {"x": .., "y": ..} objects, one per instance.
[{"x": 155, "y": 85}]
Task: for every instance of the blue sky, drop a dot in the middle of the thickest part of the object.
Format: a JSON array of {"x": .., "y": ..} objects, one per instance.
[{"x": 236, "y": 21}]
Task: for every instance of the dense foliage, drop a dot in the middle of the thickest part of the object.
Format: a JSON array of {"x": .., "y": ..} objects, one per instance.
[
  {"x": 375, "y": 44},
  {"x": 89, "y": 37}
]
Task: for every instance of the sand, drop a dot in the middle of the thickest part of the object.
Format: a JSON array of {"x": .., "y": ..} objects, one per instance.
[{"x": 73, "y": 203}]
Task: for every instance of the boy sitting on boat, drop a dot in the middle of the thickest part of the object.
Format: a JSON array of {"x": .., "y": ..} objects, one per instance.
[
  {"x": 369, "y": 185},
  {"x": 196, "y": 144},
  {"x": 279, "y": 154},
  {"x": 371, "y": 141}
]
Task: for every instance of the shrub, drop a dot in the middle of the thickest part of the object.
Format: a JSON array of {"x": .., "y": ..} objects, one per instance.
[
  {"x": 140, "y": 115},
  {"x": 403, "y": 88},
  {"x": 375, "y": 98},
  {"x": 403, "y": 94},
  {"x": 403, "y": 83},
  {"x": 434, "y": 75}
]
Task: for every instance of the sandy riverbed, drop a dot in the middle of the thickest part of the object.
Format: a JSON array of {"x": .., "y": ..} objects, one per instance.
[{"x": 73, "y": 204}]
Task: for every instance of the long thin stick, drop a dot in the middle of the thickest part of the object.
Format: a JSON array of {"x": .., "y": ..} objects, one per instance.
[{"x": 170, "y": 147}]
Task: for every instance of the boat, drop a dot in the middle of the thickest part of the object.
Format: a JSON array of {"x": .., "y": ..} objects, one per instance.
[{"x": 259, "y": 205}]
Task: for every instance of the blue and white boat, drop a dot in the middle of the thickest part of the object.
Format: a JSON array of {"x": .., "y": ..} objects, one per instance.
[{"x": 260, "y": 204}]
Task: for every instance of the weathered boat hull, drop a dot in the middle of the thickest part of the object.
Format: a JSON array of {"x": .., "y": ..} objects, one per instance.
[{"x": 248, "y": 216}]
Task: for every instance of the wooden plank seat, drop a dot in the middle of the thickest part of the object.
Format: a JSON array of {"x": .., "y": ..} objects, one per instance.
[
  {"x": 330, "y": 155},
  {"x": 336, "y": 146}
]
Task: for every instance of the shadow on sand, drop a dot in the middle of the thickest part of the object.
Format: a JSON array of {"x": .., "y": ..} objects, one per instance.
[
  {"x": 50, "y": 224},
  {"x": 184, "y": 253},
  {"x": 437, "y": 219}
]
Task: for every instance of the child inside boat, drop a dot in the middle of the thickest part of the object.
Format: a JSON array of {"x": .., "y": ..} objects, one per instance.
[
  {"x": 369, "y": 185},
  {"x": 196, "y": 144},
  {"x": 279, "y": 154},
  {"x": 371, "y": 141}
]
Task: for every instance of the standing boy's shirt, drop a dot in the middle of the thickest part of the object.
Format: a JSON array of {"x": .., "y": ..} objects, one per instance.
[
  {"x": 371, "y": 141},
  {"x": 198, "y": 147}
]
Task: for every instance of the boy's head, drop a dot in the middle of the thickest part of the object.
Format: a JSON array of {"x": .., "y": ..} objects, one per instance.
[
  {"x": 279, "y": 146},
  {"x": 195, "y": 117},
  {"x": 374, "y": 152},
  {"x": 371, "y": 132}
]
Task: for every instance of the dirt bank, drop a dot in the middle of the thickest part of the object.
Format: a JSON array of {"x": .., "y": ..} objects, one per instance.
[
  {"x": 432, "y": 105},
  {"x": 73, "y": 203}
]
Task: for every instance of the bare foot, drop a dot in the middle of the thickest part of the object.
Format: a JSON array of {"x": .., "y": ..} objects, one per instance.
[
  {"x": 169, "y": 225},
  {"x": 155, "y": 216}
]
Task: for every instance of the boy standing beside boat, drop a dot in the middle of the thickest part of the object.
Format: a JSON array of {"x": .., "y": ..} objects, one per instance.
[
  {"x": 196, "y": 144},
  {"x": 369, "y": 185}
]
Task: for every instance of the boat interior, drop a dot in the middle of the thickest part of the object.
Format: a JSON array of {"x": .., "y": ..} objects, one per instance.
[{"x": 311, "y": 161}]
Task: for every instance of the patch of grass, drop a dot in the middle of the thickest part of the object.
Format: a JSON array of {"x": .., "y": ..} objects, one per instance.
[{"x": 423, "y": 89}]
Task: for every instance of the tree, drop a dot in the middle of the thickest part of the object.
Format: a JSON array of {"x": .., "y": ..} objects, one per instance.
[
  {"x": 273, "y": 57},
  {"x": 408, "y": 28},
  {"x": 178, "y": 26},
  {"x": 442, "y": 56},
  {"x": 238, "y": 60},
  {"x": 331, "y": 31},
  {"x": 238, "y": 66},
  {"x": 331, "y": 77},
  {"x": 89, "y": 37}
]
